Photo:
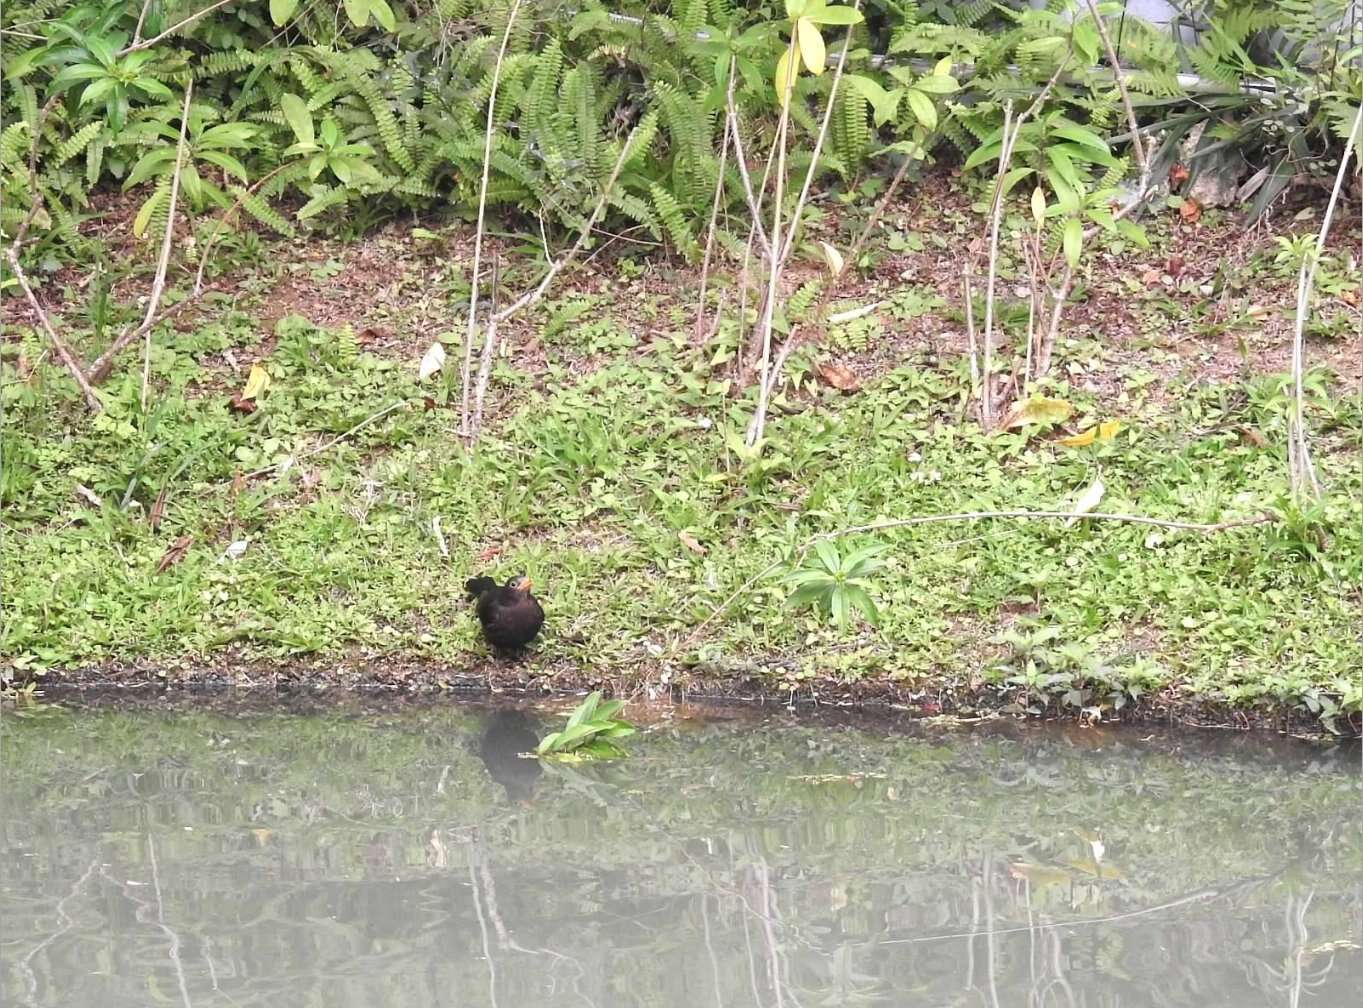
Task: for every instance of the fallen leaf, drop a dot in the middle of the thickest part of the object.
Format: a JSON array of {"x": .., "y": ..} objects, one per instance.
[
  {"x": 238, "y": 483},
  {"x": 234, "y": 551},
  {"x": 370, "y": 333},
  {"x": 427, "y": 403},
  {"x": 1251, "y": 436},
  {"x": 432, "y": 361},
  {"x": 256, "y": 382},
  {"x": 1174, "y": 267},
  {"x": 1038, "y": 410},
  {"x": 1150, "y": 277},
  {"x": 1178, "y": 174},
  {"x": 174, "y": 554},
  {"x": 851, "y": 314},
  {"x": 242, "y": 405},
  {"x": 832, "y": 258},
  {"x": 1190, "y": 210},
  {"x": 1087, "y": 501},
  {"x": 1104, "y": 431},
  {"x": 691, "y": 543},
  {"x": 90, "y": 497},
  {"x": 1349, "y": 297},
  {"x": 488, "y": 554},
  {"x": 158, "y": 510},
  {"x": 838, "y": 376}
]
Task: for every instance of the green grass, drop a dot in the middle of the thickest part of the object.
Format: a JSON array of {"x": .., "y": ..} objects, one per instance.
[{"x": 593, "y": 486}]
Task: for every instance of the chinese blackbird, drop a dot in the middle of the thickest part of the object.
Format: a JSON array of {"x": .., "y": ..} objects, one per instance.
[{"x": 510, "y": 615}]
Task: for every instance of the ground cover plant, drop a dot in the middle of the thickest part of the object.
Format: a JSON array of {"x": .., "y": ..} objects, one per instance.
[{"x": 322, "y": 324}]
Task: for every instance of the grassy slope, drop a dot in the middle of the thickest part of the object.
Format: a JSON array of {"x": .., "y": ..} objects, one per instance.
[{"x": 611, "y": 476}]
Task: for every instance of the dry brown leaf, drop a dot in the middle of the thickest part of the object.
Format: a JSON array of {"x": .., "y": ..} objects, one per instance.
[
  {"x": 1178, "y": 174},
  {"x": 691, "y": 543},
  {"x": 1190, "y": 210},
  {"x": 1174, "y": 267},
  {"x": 242, "y": 405},
  {"x": 1251, "y": 436},
  {"x": 371, "y": 334},
  {"x": 488, "y": 554},
  {"x": 238, "y": 483},
  {"x": 158, "y": 510},
  {"x": 88, "y": 495},
  {"x": 1349, "y": 297},
  {"x": 838, "y": 376},
  {"x": 1150, "y": 277},
  {"x": 175, "y": 554}
]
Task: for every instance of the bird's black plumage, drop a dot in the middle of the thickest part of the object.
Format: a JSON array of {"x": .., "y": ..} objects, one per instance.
[{"x": 510, "y": 615}]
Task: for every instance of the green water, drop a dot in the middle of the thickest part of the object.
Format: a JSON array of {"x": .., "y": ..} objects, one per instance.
[{"x": 229, "y": 853}]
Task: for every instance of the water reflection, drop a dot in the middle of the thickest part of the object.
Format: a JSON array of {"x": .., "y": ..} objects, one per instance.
[{"x": 411, "y": 858}]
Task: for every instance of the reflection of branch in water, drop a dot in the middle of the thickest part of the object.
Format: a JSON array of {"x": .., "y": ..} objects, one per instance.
[
  {"x": 1201, "y": 895},
  {"x": 24, "y": 965},
  {"x": 171, "y": 934},
  {"x": 989, "y": 933},
  {"x": 482, "y": 926},
  {"x": 709, "y": 946}
]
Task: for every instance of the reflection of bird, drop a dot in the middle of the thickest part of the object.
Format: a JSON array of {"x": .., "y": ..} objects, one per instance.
[
  {"x": 510, "y": 615},
  {"x": 507, "y": 734}
]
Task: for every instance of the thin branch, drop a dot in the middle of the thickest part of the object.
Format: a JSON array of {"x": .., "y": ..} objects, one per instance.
[
  {"x": 741, "y": 162},
  {"x": 294, "y": 459},
  {"x": 465, "y": 421},
  {"x": 141, "y": 20},
  {"x": 714, "y": 215},
  {"x": 158, "y": 285},
  {"x": 148, "y": 43},
  {"x": 33, "y": 186},
  {"x": 58, "y": 344},
  {"x": 1137, "y": 144},
  {"x": 1009, "y": 136},
  {"x": 1301, "y": 470}
]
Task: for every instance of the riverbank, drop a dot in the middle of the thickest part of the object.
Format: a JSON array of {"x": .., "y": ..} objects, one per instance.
[{"x": 320, "y": 533}]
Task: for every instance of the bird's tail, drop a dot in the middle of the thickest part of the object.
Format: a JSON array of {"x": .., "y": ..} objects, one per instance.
[{"x": 476, "y": 586}]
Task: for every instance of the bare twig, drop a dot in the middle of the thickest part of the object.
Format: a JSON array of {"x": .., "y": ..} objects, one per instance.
[
  {"x": 1137, "y": 144},
  {"x": 465, "y": 421},
  {"x": 294, "y": 459},
  {"x": 58, "y": 344},
  {"x": 1266, "y": 518},
  {"x": 141, "y": 20},
  {"x": 714, "y": 214},
  {"x": 158, "y": 284},
  {"x": 183, "y": 22},
  {"x": 972, "y": 338},
  {"x": 34, "y": 189},
  {"x": 741, "y": 163},
  {"x": 1009, "y": 136},
  {"x": 1300, "y": 468}
]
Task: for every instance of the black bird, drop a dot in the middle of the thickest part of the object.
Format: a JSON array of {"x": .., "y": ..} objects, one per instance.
[
  {"x": 510, "y": 615},
  {"x": 507, "y": 734}
]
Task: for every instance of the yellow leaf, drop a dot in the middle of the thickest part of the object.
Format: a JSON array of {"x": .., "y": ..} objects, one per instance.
[
  {"x": 1038, "y": 205},
  {"x": 943, "y": 67},
  {"x": 832, "y": 258},
  {"x": 256, "y": 382},
  {"x": 811, "y": 46},
  {"x": 787, "y": 70},
  {"x": 1104, "y": 431},
  {"x": 1038, "y": 410}
]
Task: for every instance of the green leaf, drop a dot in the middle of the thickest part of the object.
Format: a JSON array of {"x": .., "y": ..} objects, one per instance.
[
  {"x": 585, "y": 710},
  {"x": 1133, "y": 232},
  {"x": 1014, "y": 176},
  {"x": 357, "y": 11},
  {"x": 547, "y": 743},
  {"x": 1038, "y": 410},
  {"x": 923, "y": 109},
  {"x": 1073, "y": 240},
  {"x": 812, "y": 50},
  {"x": 298, "y": 117},
  {"x": 383, "y": 14},
  {"x": 835, "y": 16},
  {"x": 226, "y": 162},
  {"x": 981, "y": 154},
  {"x": 934, "y": 84},
  {"x": 282, "y": 10},
  {"x": 828, "y": 554},
  {"x": 1083, "y": 138},
  {"x": 884, "y": 104},
  {"x": 75, "y": 73},
  {"x": 608, "y": 710},
  {"x": 862, "y": 601},
  {"x": 840, "y": 607}
]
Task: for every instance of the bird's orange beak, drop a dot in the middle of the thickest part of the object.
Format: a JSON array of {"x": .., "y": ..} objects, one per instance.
[{"x": 526, "y": 583}]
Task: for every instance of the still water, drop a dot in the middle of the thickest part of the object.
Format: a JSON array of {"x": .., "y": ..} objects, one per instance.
[{"x": 230, "y": 853}]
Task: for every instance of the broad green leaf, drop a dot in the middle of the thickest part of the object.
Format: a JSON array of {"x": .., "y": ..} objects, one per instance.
[
  {"x": 811, "y": 46},
  {"x": 1014, "y": 176},
  {"x": 933, "y": 84},
  {"x": 282, "y": 10},
  {"x": 101, "y": 49},
  {"x": 76, "y": 73},
  {"x": 1064, "y": 167},
  {"x": 828, "y": 554},
  {"x": 585, "y": 710},
  {"x": 1083, "y": 137},
  {"x": 609, "y": 709},
  {"x": 923, "y": 109},
  {"x": 143, "y": 217},
  {"x": 101, "y": 88},
  {"x": 809, "y": 593},
  {"x": 859, "y": 598},
  {"x": 1073, "y": 240},
  {"x": 983, "y": 153},
  {"x": 884, "y": 104},
  {"x": 383, "y": 14},
  {"x": 226, "y": 162},
  {"x": 1133, "y": 232},
  {"x": 840, "y": 607},
  {"x": 547, "y": 743},
  {"x": 835, "y": 16},
  {"x": 357, "y": 11},
  {"x": 298, "y": 117}
]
